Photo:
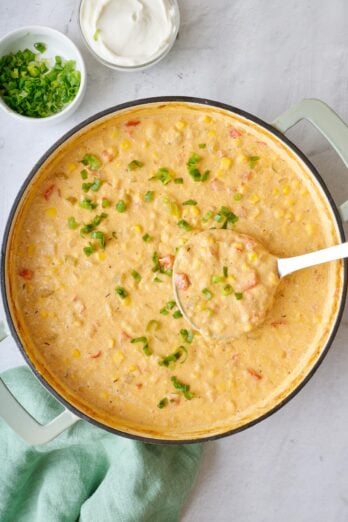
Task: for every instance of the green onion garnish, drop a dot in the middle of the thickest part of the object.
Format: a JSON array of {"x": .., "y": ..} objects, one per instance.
[
  {"x": 184, "y": 225},
  {"x": 227, "y": 290},
  {"x": 92, "y": 161},
  {"x": 97, "y": 234},
  {"x": 89, "y": 227},
  {"x": 226, "y": 217},
  {"x": 193, "y": 170},
  {"x": 146, "y": 348},
  {"x": 225, "y": 271},
  {"x": 40, "y": 46},
  {"x": 88, "y": 204},
  {"x": 238, "y": 196},
  {"x": 136, "y": 276},
  {"x": 162, "y": 175},
  {"x": 95, "y": 185},
  {"x": 149, "y": 196},
  {"x": 184, "y": 388},
  {"x": 207, "y": 294},
  {"x": 187, "y": 335},
  {"x": 238, "y": 295},
  {"x": 179, "y": 181},
  {"x": 106, "y": 203},
  {"x": 157, "y": 280},
  {"x": 207, "y": 216},
  {"x": 192, "y": 202},
  {"x": 202, "y": 145},
  {"x": 88, "y": 250},
  {"x": 121, "y": 292},
  {"x": 147, "y": 238},
  {"x": 135, "y": 164},
  {"x": 217, "y": 279},
  {"x": 72, "y": 223},
  {"x": 252, "y": 160},
  {"x": 153, "y": 325},
  {"x": 121, "y": 206},
  {"x": 177, "y": 314},
  {"x": 162, "y": 403},
  {"x": 84, "y": 174},
  {"x": 30, "y": 86},
  {"x": 173, "y": 357},
  {"x": 170, "y": 305}
]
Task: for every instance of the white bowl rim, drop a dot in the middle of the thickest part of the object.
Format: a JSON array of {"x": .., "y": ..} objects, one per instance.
[{"x": 45, "y": 29}]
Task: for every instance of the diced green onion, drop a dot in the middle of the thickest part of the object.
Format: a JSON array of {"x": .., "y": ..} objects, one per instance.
[
  {"x": 121, "y": 206},
  {"x": 146, "y": 349},
  {"x": 106, "y": 203},
  {"x": 162, "y": 403},
  {"x": 179, "y": 181},
  {"x": 252, "y": 160},
  {"x": 164, "y": 311},
  {"x": 238, "y": 295},
  {"x": 121, "y": 292},
  {"x": 225, "y": 271},
  {"x": 177, "y": 314},
  {"x": 173, "y": 357},
  {"x": 40, "y": 46},
  {"x": 153, "y": 325},
  {"x": 97, "y": 234},
  {"x": 170, "y": 305},
  {"x": 207, "y": 294},
  {"x": 149, "y": 196},
  {"x": 193, "y": 170},
  {"x": 162, "y": 175},
  {"x": 92, "y": 161},
  {"x": 207, "y": 216},
  {"x": 136, "y": 276},
  {"x": 227, "y": 290},
  {"x": 217, "y": 279},
  {"x": 191, "y": 202},
  {"x": 147, "y": 238},
  {"x": 72, "y": 223},
  {"x": 135, "y": 164},
  {"x": 187, "y": 335},
  {"x": 238, "y": 196},
  {"x": 84, "y": 174},
  {"x": 157, "y": 280},
  {"x": 202, "y": 145},
  {"x": 180, "y": 386},
  {"x": 88, "y": 204},
  {"x": 184, "y": 225},
  {"x": 88, "y": 250}
]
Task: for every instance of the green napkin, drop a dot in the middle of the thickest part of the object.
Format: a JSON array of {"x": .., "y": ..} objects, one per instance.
[{"x": 86, "y": 473}]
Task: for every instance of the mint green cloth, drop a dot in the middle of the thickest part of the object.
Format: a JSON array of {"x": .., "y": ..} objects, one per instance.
[{"x": 86, "y": 473}]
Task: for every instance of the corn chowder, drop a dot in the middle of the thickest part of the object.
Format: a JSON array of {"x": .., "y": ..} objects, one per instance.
[{"x": 91, "y": 260}]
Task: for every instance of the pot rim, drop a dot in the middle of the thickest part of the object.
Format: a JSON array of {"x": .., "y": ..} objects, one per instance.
[{"x": 115, "y": 109}]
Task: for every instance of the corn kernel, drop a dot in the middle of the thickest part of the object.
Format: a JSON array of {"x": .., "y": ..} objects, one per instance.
[
  {"x": 76, "y": 353},
  {"x": 127, "y": 301},
  {"x": 220, "y": 173},
  {"x": 207, "y": 119},
  {"x": 180, "y": 124},
  {"x": 225, "y": 163},
  {"x": 241, "y": 158},
  {"x": 275, "y": 192},
  {"x": 212, "y": 133},
  {"x": 31, "y": 250},
  {"x": 252, "y": 256},
  {"x": 101, "y": 256},
  {"x": 119, "y": 357},
  {"x": 195, "y": 211},
  {"x": 132, "y": 368},
  {"x": 51, "y": 212},
  {"x": 71, "y": 166},
  {"x": 44, "y": 313},
  {"x": 125, "y": 144},
  {"x": 254, "y": 199},
  {"x": 286, "y": 190},
  {"x": 111, "y": 343},
  {"x": 137, "y": 229}
]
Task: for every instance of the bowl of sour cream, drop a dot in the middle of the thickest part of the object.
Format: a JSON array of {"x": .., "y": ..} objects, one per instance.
[{"x": 129, "y": 34}]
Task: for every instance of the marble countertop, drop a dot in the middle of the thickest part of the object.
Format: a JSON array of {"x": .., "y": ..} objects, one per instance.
[{"x": 262, "y": 57}]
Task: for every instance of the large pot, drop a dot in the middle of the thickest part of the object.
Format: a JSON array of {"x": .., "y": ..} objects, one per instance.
[{"x": 320, "y": 115}]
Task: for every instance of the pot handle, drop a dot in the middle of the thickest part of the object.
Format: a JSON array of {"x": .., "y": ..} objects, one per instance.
[
  {"x": 327, "y": 122},
  {"x": 22, "y": 422}
]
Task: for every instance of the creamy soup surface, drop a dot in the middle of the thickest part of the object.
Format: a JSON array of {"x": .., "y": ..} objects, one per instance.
[{"x": 92, "y": 256}]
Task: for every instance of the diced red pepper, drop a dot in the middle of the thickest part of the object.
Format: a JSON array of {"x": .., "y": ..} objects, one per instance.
[
  {"x": 167, "y": 261},
  {"x": 234, "y": 133},
  {"x": 132, "y": 123},
  {"x": 48, "y": 192},
  {"x": 95, "y": 355},
  {"x": 26, "y": 273},
  {"x": 254, "y": 374},
  {"x": 182, "y": 281}
]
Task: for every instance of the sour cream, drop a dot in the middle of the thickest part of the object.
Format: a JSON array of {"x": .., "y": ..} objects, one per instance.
[{"x": 129, "y": 33}]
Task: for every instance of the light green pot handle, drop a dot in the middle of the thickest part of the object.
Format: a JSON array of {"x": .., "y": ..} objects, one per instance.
[
  {"x": 22, "y": 422},
  {"x": 327, "y": 122}
]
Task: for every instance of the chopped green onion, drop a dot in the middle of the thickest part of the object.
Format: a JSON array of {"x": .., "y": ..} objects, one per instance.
[
  {"x": 217, "y": 279},
  {"x": 202, "y": 145},
  {"x": 146, "y": 348},
  {"x": 136, "y": 276},
  {"x": 227, "y": 290},
  {"x": 88, "y": 204},
  {"x": 252, "y": 160},
  {"x": 163, "y": 175},
  {"x": 225, "y": 271},
  {"x": 193, "y": 170},
  {"x": 121, "y": 292},
  {"x": 238, "y": 295},
  {"x": 153, "y": 325},
  {"x": 179, "y": 181},
  {"x": 184, "y": 225},
  {"x": 88, "y": 250},
  {"x": 157, "y": 280},
  {"x": 99, "y": 236},
  {"x": 162, "y": 403},
  {"x": 191, "y": 202},
  {"x": 170, "y": 305},
  {"x": 92, "y": 161},
  {"x": 149, "y": 196},
  {"x": 187, "y": 335},
  {"x": 106, "y": 203},
  {"x": 72, "y": 223},
  {"x": 40, "y": 46},
  {"x": 164, "y": 311},
  {"x": 238, "y": 196},
  {"x": 121, "y": 206},
  {"x": 173, "y": 357},
  {"x": 147, "y": 238},
  {"x": 89, "y": 227},
  {"x": 207, "y": 216},
  {"x": 32, "y": 87},
  {"x": 84, "y": 174},
  {"x": 135, "y": 164},
  {"x": 207, "y": 294},
  {"x": 180, "y": 386},
  {"x": 226, "y": 216},
  {"x": 177, "y": 314}
]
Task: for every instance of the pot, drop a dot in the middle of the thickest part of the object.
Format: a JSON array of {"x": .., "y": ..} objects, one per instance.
[{"x": 315, "y": 111}]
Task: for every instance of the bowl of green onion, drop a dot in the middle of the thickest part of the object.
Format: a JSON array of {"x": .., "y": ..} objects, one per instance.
[{"x": 42, "y": 75}]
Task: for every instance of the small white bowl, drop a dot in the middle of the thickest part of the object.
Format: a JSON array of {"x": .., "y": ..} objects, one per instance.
[{"x": 57, "y": 44}]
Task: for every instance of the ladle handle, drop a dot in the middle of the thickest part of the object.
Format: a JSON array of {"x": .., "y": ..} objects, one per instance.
[
  {"x": 292, "y": 264},
  {"x": 327, "y": 122}
]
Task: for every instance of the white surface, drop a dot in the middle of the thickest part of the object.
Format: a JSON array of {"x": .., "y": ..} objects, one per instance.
[{"x": 263, "y": 57}]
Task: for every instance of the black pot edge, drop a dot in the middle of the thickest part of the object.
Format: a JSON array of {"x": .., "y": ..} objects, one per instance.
[{"x": 144, "y": 101}]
